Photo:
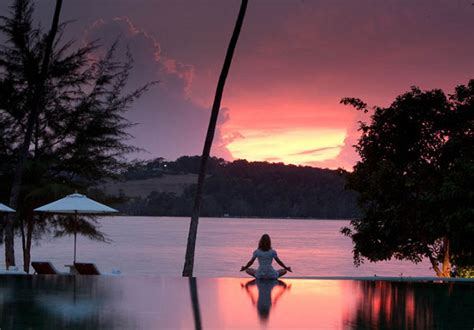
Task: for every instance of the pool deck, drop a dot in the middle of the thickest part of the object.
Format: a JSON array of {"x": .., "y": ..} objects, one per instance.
[
  {"x": 388, "y": 278},
  {"x": 350, "y": 278},
  {"x": 151, "y": 302}
]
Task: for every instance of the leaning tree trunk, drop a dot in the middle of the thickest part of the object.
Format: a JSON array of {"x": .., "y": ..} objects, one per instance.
[
  {"x": 189, "y": 259},
  {"x": 36, "y": 106}
]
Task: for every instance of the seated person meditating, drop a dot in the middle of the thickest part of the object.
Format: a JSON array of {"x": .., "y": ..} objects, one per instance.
[{"x": 265, "y": 255}]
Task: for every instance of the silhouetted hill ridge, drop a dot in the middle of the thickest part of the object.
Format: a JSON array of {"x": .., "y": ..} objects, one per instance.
[{"x": 237, "y": 189}]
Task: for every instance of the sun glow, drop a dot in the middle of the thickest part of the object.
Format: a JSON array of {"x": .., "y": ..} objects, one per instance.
[{"x": 301, "y": 147}]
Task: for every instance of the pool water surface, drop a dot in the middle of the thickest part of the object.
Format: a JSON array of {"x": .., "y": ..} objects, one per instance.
[{"x": 146, "y": 302}]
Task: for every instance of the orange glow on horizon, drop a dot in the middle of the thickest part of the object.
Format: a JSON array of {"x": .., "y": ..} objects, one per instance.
[{"x": 299, "y": 147}]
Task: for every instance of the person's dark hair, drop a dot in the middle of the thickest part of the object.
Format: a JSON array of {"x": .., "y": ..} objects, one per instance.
[{"x": 265, "y": 243}]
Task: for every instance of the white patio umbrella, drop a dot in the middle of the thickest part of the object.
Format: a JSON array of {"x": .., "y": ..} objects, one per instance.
[
  {"x": 4, "y": 208},
  {"x": 75, "y": 204}
]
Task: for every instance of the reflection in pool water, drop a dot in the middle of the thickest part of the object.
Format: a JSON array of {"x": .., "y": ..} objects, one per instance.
[
  {"x": 263, "y": 299},
  {"x": 102, "y": 302},
  {"x": 397, "y": 305},
  {"x": 195, "y": 303}
]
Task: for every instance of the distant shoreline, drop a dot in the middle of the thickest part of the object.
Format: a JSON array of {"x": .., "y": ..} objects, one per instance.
[{"x": 229, "y": 217}]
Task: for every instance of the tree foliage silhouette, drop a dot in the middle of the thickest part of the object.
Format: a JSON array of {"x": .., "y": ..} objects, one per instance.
[
  {"x": 62, "y": 126},
  {"x": 244, "y": 189},
  {"x": 415, "y": 180},
  {"x": 20, "y": 32}
]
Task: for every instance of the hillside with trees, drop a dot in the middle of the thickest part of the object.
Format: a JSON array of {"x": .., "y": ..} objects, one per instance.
[{"x": 236, "y": 189}]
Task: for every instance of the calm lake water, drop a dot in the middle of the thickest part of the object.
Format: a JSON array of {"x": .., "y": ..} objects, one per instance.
[{"x": 156, "y": 246}]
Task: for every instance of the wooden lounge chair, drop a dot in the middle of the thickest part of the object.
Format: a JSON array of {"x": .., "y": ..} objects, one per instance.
[
  {"x": 44, "y": 268},
  {"x": 86, "y": 268}
]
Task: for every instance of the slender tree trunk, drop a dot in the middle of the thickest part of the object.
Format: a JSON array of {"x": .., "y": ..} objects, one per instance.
[
  {"x": 191, "y": 245},
  {"x": 27, "y": 243},
  {"x": 23, "y": 240},
  {"x": 36, "y": 107}
]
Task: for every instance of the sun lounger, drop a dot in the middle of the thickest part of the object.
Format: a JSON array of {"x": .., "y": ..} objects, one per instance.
[
  {"x": 86, "y": 268},
  {"x": 44, "y": 268}
]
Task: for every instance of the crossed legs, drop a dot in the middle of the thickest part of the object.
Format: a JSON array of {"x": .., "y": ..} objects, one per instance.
[
  {"x": 282, "y": 272},
  {"x": 252, "y": 272}
]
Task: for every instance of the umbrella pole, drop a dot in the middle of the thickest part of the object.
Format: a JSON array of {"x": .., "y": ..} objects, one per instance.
[
  {"x": 74, "y": 247},
  {"x": 75, "y": 234}
]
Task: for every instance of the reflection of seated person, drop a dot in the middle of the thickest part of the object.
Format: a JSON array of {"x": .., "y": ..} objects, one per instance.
[
  {"x": 264, "y": 302},
  {"x": 265, "y": 255}
]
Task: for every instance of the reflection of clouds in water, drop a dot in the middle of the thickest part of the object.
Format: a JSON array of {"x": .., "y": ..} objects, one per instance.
[{"x": 265, "y": 300}]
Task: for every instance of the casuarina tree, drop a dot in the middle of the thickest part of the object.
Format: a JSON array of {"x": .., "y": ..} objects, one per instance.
[
  {"x": 193, "y": 227},
  {"x": 62, "y": 126},
  {"x": 20, "y": 31},
  {"x": 415, "y": 180}
]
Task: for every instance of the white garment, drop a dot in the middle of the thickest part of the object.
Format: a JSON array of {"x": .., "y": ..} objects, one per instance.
[{"x": 265, "y": 269}]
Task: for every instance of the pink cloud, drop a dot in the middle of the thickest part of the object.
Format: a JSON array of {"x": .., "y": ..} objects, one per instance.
[
  {"x": 293, "y": 63},
  {"x": 169, "y": 123}
]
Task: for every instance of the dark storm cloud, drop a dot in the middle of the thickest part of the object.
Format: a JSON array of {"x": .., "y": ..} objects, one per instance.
[{"x": 168, "y": 123}]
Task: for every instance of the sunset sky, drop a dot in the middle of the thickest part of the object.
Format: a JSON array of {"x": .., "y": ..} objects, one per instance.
[{"x": 294, "y": 62}]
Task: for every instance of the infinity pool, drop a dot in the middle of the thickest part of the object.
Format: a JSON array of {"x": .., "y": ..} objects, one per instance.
[{"x": 107, "y": 302}]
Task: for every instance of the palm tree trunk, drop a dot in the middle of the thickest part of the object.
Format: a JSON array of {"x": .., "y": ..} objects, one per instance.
[
  {"x": 191, "y": 245},
  {"x": 36, "y": 107}
]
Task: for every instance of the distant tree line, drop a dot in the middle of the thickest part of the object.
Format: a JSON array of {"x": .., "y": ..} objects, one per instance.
[{"x": 247, "y": 189}]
